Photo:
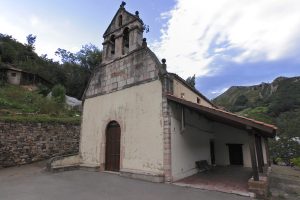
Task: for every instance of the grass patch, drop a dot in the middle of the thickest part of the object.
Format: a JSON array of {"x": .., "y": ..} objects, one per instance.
[
  {"x": 41, "y": 119},
  {"x": 258, "y": 113},
  {"x": 18, "y": 104},
  {"x": 296, "y": 161}
]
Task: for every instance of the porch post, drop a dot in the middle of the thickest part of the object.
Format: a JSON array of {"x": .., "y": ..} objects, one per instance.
[
  {"x": 267, "y": 151},
  {"x": 252, "y": 153},
  {"x": 261, "y": 150},
  {"x": 258, "y": 154}
]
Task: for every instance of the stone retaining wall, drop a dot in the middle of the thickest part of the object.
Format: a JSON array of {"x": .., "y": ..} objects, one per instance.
[{"x": 22, "y": 143}]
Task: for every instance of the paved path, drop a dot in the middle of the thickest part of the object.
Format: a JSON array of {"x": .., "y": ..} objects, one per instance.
[
  {"x": 31, "y": 182},
  {"x": 229, "y": 179}
]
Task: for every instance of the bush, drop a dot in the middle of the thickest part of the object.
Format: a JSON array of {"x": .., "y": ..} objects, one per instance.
[
  {"x": 296, "y": 161},
  {"x": 59, "y": 93},
  {"x": 52, "y": 108},
  {"x": 43, "y": 90},
  {"x": 278, "y": 160},
  {"x": 285, "y": 148}
]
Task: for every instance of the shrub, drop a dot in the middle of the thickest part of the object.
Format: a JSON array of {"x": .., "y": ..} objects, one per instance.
[
  {"x": 285, "y": 148},
  {"x": 59, "y": 93},
  {"x": 51, "y": 107},
  {"x": 278, "y": 160},
  {"x": 296, "y": 161},
  {"x": 43, "y": 90}
]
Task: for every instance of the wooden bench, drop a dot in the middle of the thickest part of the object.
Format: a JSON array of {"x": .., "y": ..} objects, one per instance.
[{"x": 202, "y": 165}]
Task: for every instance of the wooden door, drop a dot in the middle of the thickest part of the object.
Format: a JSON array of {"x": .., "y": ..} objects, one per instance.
[
  {"x": 236, "y": 154},
  {"x": 112, "y": 154}
]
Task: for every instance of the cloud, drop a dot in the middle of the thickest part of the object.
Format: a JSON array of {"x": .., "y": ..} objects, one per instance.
[
  {"x": 219, "y": 91},
  {"x": 34, "y": 21},
  {"x": 199, "y": 35},
  {"x": 51, "y": 33}
]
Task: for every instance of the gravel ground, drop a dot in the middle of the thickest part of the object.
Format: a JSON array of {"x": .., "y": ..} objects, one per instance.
[{"x": 284, "y": 182}]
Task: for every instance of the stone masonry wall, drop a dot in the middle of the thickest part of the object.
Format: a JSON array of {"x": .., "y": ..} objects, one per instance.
[
  {"x": 22, "y": 143},
  {"x": 135, "y": 68}
]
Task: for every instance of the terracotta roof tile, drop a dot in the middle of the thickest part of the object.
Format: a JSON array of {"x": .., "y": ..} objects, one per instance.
[{"x": 264, "y": 127}]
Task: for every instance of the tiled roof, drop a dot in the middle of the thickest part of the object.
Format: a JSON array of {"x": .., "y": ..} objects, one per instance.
[{"x": 228, "y": 117}]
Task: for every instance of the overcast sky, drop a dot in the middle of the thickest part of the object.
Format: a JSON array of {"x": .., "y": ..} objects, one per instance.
[{"x": 223, "y": 42}]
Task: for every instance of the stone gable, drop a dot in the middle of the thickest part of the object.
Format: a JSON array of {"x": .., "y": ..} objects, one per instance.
[
  {"x": 135, "y": 68},
  {"x": 127, "y": 18}
]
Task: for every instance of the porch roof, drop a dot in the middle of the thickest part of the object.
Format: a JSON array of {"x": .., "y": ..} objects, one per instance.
[{"x": 229, "y": 118}]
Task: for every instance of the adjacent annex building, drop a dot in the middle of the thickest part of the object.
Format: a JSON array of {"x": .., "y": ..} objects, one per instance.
[
  {"x": 141, "y": 121},
  {"x": 16, "y": 76}
]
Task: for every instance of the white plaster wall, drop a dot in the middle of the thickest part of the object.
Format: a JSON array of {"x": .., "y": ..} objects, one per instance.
[
  {"x": 189, "y": 95},
  {"x": 188, "y": 146},
  {"x": 225, "y": 134},
  {"x": 15, "y": 80},
  {"x": 138, "y": 110}
]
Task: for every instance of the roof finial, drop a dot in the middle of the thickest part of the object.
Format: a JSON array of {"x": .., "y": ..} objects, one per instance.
[
  {"x": 144, "y": 44},
  {"x": 164, "y": 65},
  {"x": 123, "y": 4},
  {"x": 137, "y": 13}
]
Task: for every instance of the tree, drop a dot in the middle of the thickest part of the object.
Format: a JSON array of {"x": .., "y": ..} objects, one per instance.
[
  {"x": 191, "y": 80},
  {"x": 288, "y": 123},
  {"x": 72, "y": 72},
  {"x": 30, "y": 41},
  {"x": 8, "y": 53},
  {"x": 66, "y": 56},
  {"x": 284, "y": 148},
  {"x": 89, "y": 57}
]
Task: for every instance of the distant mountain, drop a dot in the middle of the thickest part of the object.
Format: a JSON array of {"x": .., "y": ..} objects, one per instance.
[{"x": 276, "y": 103}]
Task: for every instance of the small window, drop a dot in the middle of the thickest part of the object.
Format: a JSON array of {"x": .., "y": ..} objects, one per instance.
[
  {"x": 120, "y": 20},
  {"x": 125, "y": 40},
  {"x": 13, "y": 74},
  {"x": 113, "y": 45},
  {"x": 198, "y": 100}
]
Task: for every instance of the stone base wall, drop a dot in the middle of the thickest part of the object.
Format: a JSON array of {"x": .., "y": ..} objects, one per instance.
[
  {"x": 22, "y": 143},
  {"x": 260, "y": 188}
]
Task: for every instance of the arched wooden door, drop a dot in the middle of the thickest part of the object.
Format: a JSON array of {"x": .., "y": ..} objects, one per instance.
[{"x": 112, "y": 153}]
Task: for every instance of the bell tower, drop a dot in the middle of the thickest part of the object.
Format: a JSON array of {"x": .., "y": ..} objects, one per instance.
[{"x": 123, "y": 35}]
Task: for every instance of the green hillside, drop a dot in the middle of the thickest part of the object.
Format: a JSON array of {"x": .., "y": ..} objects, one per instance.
[
  {"x": 19, "y": 104},
  {"x": 72, "y": 72},
  {"x": 276, "y": 103}
]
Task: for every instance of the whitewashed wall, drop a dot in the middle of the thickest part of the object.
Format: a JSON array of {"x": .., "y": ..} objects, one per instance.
[
  {"x": 189, "y": 95},
  {"x": 138, "y": 110},
  {"x": 225, "y": 134},
  {"x": 188, "y": 146},
  {"x": 193, "y": 144},
  {"x": 15, "y": 80}
]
